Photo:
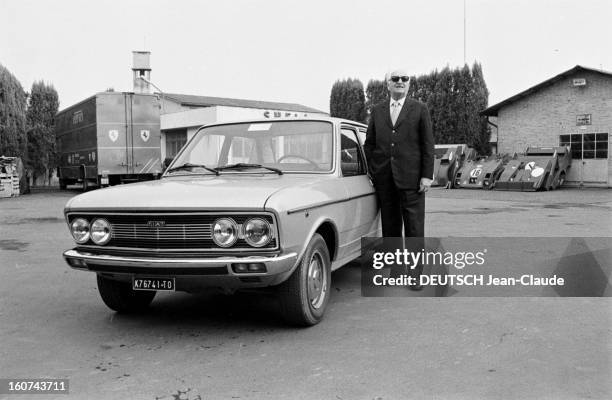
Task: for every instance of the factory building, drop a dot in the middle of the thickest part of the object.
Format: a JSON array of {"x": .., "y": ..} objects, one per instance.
[{"x": 573, "y": 108}]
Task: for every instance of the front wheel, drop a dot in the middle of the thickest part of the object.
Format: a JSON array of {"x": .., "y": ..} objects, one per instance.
[
  {"x": 304, "y": 296},
  {"x": 120, "y": 296}
]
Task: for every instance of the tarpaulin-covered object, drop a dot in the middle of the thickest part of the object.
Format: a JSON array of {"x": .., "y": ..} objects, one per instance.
[{"x": 13, "y": 180}]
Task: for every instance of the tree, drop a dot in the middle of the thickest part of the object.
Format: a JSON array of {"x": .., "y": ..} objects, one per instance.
[
  {"x": 455, "y": 99},
  {"x": 12, "y": 115},
  {"x": 347, "y": 100},
  {"x": 42, "y": 106},
  {"x": 376, "y": 92},
  {"x": 481, "y": 96}
]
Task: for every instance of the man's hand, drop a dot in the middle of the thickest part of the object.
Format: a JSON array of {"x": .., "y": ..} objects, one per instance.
[{"x": 425, "y": 184}]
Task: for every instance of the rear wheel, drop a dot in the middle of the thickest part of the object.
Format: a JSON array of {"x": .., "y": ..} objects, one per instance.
[
  {"x": 84, "y": 175},
  {"x": 304, "y": 296},
  {"x": 120, "y": 296}
]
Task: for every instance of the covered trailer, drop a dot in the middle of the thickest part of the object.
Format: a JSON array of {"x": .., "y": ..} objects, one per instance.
[
  {"x": 540, "y": 168},
  {"x": 109, "y": 138}
]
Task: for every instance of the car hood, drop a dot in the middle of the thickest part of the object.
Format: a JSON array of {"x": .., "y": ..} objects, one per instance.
[{"x": 191, "y": 192}]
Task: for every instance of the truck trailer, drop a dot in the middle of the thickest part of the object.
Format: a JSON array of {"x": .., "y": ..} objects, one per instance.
[{"x": 109, "y": 138}]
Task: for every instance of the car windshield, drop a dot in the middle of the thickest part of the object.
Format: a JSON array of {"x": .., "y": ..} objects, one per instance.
[{"x": 289, "y": 146}]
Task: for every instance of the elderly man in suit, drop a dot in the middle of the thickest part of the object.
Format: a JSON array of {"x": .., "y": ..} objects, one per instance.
[{"x": 399, "y": 148}]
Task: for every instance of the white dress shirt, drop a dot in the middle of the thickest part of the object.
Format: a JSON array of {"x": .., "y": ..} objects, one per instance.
[{"x": 399, "y": 107}]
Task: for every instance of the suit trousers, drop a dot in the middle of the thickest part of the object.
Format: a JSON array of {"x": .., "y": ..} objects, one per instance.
[
  {"x": 400, "y": 206},
  {"x": 397, "y": 207}
]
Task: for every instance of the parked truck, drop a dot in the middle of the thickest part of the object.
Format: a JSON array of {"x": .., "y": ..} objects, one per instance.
[{"x": 109, "y": 138}]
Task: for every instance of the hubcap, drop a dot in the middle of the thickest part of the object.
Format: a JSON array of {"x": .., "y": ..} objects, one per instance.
[{"x": 317, "y": 281}]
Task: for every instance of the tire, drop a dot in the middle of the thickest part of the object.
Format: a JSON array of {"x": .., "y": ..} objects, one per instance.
[
  {"x": 304, "y": 296},
  {"x": 85, "y": 183},
  {"x": 62, "y": 184},
  {"x": 120, "y": 297}
]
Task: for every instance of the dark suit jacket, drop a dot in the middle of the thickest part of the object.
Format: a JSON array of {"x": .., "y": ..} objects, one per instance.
[{"x": 405, "y": 150}]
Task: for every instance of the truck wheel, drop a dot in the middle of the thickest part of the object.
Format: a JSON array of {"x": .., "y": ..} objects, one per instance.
[
  {"x": 62, "y": 184},
  {"x": 304, "y": 296},
  {"x": 120, "y": 297}
]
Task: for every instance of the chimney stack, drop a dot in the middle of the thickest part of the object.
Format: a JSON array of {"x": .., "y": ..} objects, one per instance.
[{"x": 142, "y": 68}]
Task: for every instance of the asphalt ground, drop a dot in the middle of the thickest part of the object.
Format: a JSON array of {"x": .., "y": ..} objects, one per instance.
[{"x": 210, "y": 346}]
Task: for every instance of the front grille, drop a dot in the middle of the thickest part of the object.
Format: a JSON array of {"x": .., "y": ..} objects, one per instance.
[
  {"x": 179, "y": 231},
  {"x": 168, "y": 237}
]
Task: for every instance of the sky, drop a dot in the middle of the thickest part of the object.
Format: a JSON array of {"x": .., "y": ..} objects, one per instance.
[{"x": 293, "y": 51}]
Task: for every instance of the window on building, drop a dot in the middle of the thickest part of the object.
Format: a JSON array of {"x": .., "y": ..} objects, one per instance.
[
  {"x": 586, "y": 146},
  {"x": 174, "y": 142}
]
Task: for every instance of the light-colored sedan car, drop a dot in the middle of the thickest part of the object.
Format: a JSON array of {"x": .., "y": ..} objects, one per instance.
[{"x": 273, "y": 203}]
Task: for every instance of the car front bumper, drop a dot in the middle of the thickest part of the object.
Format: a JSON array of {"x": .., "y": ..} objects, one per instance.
[{"x": 203, "y": 271}]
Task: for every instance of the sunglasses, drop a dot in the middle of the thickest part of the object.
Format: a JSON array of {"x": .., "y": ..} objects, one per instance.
[{"x": 397, "y": 78}]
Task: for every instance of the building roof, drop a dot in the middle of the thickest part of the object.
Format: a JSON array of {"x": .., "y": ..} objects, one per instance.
[
  {"x": 207, "y": 101},
  {"x": 493, "y": 110}
]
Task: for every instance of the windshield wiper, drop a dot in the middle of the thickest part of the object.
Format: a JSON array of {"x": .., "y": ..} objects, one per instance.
[
  {"x": 190, "y": 165},
  {"x": 247, "y": 166}
]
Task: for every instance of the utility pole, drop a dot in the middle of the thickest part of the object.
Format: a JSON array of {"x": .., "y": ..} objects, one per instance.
[{"x": 464, "y": 45}]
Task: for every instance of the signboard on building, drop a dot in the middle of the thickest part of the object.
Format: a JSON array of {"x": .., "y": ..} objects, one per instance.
[
  {"x": 583, "y": 119},
  {"x": 283, "y": 114}
]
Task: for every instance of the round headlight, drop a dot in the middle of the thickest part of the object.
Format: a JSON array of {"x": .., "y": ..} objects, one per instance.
[
  {"x": 100, "y": 231},
  {"x": 257, "y": 232},
  {"x": 80, "y": 230},
  {"x": 225, "y": 232}
]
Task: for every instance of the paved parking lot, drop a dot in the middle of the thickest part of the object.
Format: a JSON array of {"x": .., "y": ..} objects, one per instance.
[{"x": 208, "y": 346}]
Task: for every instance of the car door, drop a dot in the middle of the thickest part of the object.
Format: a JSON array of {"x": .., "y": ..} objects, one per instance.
[{"x": 362, "y": 204}]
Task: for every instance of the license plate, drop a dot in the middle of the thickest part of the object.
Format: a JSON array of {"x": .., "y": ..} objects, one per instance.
[{"x": 159, "y": 284}]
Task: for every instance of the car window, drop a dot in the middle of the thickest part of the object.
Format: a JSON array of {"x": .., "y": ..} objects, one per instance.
[
  {"x": 351, "y": 159},
  {"x": 362, "y": 135},
  {"x": 292, "y": 146}
]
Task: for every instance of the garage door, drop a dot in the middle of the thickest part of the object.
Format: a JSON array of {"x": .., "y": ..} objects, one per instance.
[{"x": 589, "y": 158}]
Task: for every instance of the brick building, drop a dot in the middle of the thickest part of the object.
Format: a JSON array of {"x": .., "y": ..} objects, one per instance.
[{"x": 572, "y": 108}]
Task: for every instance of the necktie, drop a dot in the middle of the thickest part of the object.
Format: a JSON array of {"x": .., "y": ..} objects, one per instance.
[{"x": 395, "y": 109}]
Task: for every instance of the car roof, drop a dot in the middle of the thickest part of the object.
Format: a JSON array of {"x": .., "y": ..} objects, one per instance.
[{"x": 333, "y": 120}]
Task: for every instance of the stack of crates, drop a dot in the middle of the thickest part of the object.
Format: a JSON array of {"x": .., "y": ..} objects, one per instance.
[{"x": 9, "y": 177}]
